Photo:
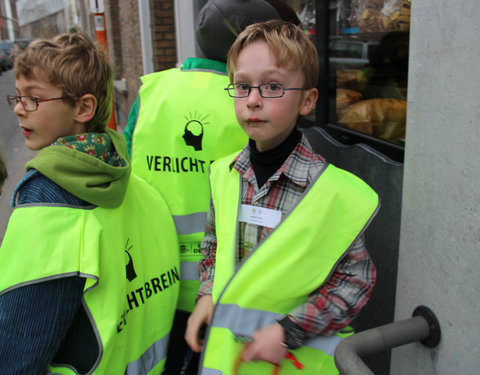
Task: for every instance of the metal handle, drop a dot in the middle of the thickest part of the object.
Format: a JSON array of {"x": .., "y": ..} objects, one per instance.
[{"x": 423, "y": 327}]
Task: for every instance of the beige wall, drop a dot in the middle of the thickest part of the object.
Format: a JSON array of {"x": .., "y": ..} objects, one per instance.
[{"x": 440, "y": 235}]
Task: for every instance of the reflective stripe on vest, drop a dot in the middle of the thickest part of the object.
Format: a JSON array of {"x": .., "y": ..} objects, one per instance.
[
  {"x": 128, "y": 265},
  {"x": 188, "y": 224},
  {"x": 172, "y": 150},
  {"x": 142, "y": 366},
  {"x": 275, "y": 279},
  {"x": 243, "y": 323},
  {"x": 189, "y": 271},
  {"x": 152, "y": 356}
]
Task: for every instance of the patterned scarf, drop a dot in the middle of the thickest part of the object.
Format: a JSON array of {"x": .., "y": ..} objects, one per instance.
[{"x": 98, "y": 145}]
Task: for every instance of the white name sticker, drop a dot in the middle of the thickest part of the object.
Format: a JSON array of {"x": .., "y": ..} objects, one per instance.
[{"x": 264, "y": 217}]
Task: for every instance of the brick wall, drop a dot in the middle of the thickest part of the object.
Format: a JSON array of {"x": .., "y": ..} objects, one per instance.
[
  {"x": 163, "y": 34},
  {"x": 123, "y": 33}
]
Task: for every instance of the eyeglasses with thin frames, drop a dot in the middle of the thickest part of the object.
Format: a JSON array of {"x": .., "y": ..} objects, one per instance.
[
  {"x": 29, "y": 103},
  {"x": 267, "y": 90}
]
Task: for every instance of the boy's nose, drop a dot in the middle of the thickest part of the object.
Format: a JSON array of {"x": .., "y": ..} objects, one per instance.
[
  {"x": 18, "y": 108},
  {"x": 254, "y": 98}
]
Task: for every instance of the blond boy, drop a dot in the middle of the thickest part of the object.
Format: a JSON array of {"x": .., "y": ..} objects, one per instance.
[{"x": 286, "y": 268}]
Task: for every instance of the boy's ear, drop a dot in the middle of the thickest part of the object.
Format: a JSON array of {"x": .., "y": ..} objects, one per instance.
[
  {"x": 309, "y": 100},
  {"x": 85, "y": 108}
]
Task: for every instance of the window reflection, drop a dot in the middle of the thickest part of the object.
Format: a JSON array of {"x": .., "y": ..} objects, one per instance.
[
  {"x": 368, "y": 63},
  {"x": 368, "y": 59}
]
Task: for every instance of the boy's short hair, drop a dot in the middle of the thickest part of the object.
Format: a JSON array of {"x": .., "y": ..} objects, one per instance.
[
  {"x": 73, "y": 63},
  {"x": 289, "y": 44}
]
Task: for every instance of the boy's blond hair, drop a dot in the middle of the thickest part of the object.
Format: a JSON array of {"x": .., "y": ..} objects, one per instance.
[
  {"x": 289, "y": 44},
  {"x": 74, "y": 64}
]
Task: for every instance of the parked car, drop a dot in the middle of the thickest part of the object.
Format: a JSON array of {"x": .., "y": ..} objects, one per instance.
[
  {"x": 349, "y": 53},
  {"x": 23, "y": 42},
  {"x": 5, "y": 60},
  {"x": 7, "y": 45},
  {"x": 19, "y": 45}
]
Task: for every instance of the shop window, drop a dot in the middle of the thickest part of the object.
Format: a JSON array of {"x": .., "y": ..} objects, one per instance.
[
  {"x": 363, "y": 48},
  {"x": 370, "y": 90}
]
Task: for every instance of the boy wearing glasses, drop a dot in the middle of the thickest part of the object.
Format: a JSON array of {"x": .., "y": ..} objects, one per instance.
[
  {"x": 285, "y": 267},
  {"x": 80, "y": 291}
]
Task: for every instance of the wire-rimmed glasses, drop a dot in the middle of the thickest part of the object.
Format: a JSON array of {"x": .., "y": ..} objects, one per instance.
[
  {"x": 29, "y": 103},
  {"x": 267, "y": 90}
]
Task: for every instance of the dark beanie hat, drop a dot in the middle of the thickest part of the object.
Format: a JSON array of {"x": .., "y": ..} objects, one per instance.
[
  {"x": 220, "y": 21},
  {"x": 286, "y": 13}
]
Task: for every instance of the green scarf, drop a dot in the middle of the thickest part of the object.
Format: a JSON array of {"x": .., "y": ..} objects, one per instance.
[{"x": 92, "y": 166}]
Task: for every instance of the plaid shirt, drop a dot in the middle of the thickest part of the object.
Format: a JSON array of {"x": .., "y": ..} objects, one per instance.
[{"x": 332, "y": 306}]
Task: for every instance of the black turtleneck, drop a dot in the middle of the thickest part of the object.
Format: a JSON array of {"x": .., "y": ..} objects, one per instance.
[{"x": 266, "y": 163}]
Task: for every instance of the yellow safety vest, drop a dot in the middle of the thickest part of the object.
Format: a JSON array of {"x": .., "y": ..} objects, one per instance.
[
  {"x": 129, "y": 260},
  {"x": 173, "y": 149},
  {"x": 293, "y": 261}
]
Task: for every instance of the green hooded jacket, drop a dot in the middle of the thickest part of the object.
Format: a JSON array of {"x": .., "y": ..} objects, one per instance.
[{"x": 86, "y": 176}]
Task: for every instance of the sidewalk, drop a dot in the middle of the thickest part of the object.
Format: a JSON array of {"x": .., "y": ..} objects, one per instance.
[{"x": 12, "y": 148}]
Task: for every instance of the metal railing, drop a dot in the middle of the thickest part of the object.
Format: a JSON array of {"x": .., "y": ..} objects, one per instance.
[{"x": 423, "y": 327}]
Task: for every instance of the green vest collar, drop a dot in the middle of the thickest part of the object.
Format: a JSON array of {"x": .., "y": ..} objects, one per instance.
[{"x": 196, "y": 63}]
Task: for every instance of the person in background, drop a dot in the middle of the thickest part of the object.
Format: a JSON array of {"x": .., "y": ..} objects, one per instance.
[
  {"x": 81, "y": 291},
  {"x": 286, "y": 268},
  {"x": 3, "y": 173},
  {"x": 182, "y": 121}
]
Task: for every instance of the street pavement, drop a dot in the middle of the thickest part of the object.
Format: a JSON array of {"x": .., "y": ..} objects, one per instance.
[{"x": 12, "y": 148}]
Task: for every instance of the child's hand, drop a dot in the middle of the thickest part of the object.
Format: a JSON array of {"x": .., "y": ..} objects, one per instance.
[
  {"x": 200, "y": 315},
  {"x": 266, "y": 345}
]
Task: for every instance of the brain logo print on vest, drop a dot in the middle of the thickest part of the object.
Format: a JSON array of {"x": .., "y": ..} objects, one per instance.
[
  {"x": 193, "y": 134},
  {"x": 131, "y": 274}
]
